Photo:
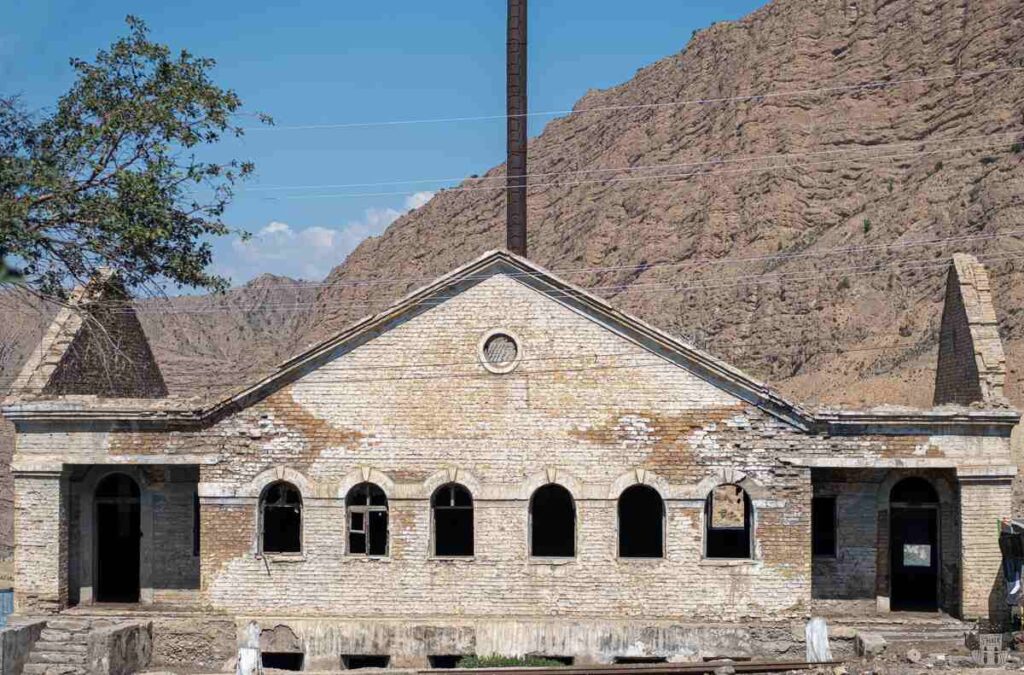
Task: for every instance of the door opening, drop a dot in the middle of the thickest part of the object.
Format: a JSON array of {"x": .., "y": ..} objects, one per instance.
[
  {"x": 913, "y": 549},
  {"x": 117, "y": 531}
]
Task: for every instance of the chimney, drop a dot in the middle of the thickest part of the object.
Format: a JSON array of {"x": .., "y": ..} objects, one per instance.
[
  {"x": 972, "y": 365},
  {"x": 515, "y": 166}
]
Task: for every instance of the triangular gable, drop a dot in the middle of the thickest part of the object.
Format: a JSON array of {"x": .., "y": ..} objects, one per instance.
[
  {"x": 95, "y": 346},
  {"x": 692, "y": 359}
]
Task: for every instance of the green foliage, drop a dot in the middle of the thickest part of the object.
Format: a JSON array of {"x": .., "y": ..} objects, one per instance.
[
  {"x": 495, "y": 661},
  {"x": 867, "y": 225},
  {"x": 110, "y": 178},
  {"x": 889, "y": 184},
  {"x": 1017, "y": 147},
  {"x": 844, "y": 284},
  {"x": 985, "y": 161}
]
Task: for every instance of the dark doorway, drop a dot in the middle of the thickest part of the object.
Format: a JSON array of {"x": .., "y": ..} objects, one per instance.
[
  {"x": 117, "y": 539},
  {"x": 914, "y": 551},
  {"x": 282, "y": 660},
  {"x": 358, "y": 661}
]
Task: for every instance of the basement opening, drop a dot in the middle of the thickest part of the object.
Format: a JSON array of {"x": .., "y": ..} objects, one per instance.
[
  {"x": 552, "y": 523},
  {"x": 282, "y": 660},
  {"x": 453, "y": 521},
  {"x": 444, "y": 661},
  {"x": 641, "y": 659},
  {"x": 357, "y": 661},
  {"x": 728, "y": 516},
  {"x": 641, "y": 523},
  {"x": 564, "y": 660},
  {"x": 281, "y": 507}
]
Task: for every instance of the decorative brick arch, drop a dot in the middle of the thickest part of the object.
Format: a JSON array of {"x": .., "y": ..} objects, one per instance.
[
  {"x": 452, "y": 475},
  {"x": 639, "y": 477},
  {"x": 257, "y": 485},
  {"x": 729, "y": 475},
  {"x": 366, "y": 474},
  {"x": 551, "y": 475}
]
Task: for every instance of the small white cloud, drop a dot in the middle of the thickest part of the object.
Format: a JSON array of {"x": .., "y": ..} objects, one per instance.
[{"x": 310, "y": 252}]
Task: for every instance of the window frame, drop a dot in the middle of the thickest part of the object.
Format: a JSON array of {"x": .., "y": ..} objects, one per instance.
[
  {"x": 262, "y": 533},
  {"x": 452, "y": 507},
  {"x": 750, "y": 522},
  {"x": 366, "y": 510}
]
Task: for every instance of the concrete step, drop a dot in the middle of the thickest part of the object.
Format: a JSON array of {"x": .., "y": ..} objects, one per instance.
[
  {"x": 70, "y": 625},
  {"x": 63, "y": 647},
  {"x": 54, "y": 635}
]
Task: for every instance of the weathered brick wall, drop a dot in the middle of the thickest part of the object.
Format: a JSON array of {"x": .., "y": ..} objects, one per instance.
[
  {"x": 585, "y": 407},
  {"x": 40, "y": 536},
  {"x": 983, "y": 503}
]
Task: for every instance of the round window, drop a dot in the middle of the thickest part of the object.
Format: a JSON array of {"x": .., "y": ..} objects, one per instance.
[{"x": 499, "y": 352}]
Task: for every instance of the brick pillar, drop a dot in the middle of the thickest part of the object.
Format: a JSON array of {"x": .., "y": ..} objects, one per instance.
[
  {"x": 984, "y": 501},
  {"x": 40, "y": 541}
]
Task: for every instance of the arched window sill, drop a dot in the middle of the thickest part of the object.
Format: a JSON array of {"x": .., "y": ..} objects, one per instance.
[{"x": 728, "y": 562}]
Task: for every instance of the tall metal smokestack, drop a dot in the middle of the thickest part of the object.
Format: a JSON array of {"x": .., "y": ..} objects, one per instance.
[{"x": 515, "y": 219}]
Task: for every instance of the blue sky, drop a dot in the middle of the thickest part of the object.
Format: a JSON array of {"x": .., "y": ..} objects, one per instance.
[{"x": 309, "y": 62}]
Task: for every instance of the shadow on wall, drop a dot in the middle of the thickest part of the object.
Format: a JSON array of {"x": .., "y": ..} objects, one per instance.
[{"x": 1017, "y": 453}]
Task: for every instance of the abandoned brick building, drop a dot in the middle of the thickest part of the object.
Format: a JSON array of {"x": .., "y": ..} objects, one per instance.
[{"x": 502, "y": 463}]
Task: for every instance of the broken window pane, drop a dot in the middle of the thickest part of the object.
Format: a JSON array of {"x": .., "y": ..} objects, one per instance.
[
  {"x": 452, "y": 506},
  {"x": 282, "y": 519},
  {"x": 823, "y": 526},
  {"x": 641, "y": 523},
  {"x": 367, "y": 520},
  {"x": 552, "y": 523},
  {"x": 724, "y": 507}
]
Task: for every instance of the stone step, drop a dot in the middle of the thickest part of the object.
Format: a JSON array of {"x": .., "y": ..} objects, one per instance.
[
  {"x": 45, "y": 656},
  {"x": 53, "y": 669},
  {"x": 63, "y": 647},
  {"x": 71, "y": 625},
  {"x": 54, "y": 635}
]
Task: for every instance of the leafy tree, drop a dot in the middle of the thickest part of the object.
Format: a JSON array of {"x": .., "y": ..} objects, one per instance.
[{"x": 110, "y": 177}]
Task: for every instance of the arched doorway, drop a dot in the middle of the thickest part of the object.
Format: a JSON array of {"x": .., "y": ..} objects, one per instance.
[
  {"x": 117, "y": 539},
  {"x": 914, "y": 545}
]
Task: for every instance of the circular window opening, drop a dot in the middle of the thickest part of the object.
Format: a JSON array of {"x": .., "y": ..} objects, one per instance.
[{"x": 499, "y": 352}]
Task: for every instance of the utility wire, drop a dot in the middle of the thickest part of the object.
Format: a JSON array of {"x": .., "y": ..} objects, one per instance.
[{"x": 880, "y": 83}]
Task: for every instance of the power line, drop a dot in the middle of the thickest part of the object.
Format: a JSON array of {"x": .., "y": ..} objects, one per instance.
[
  {"x": 639, "y": 179},
  {"x": 877, "y": 84},
  {"x": 907, "y": 265},
  {"x": 649, "y": 167}
]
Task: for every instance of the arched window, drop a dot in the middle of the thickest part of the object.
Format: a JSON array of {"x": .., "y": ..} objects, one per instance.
[
  {"x": 367, "y": 507},
  {"x": 452, "y": 506},
  {"x": 641, "y": 523},
  {"x": 281, "y": 512},
  {"x": 913, "y": 491},
  {"x": 552, "y": 523},
  {"x": 728, "y": 519}
]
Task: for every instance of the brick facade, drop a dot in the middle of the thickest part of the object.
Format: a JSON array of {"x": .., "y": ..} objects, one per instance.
[{"x": 596, "y": 403}]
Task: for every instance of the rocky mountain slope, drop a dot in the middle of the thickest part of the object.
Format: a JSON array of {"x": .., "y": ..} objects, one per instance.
[
  {"x": 745, "y": 193},
  {"x": 782, "y": 231}
]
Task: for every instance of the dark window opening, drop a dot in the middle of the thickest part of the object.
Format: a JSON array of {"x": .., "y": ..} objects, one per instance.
[
  {"x": 356, "y": 661},
  {"x": 641, "y": 523},
  {"x": 195, "y": 524},
  {"x": 282, "y": 519},
  {"x": 552, "y": 523},
  {"x": 367, "y": 508},
  {"x": 453, "y": 521},
  {"x": 728, "y": 516},
  {"x": 823, "y": 526},
  {"x": 439, "y": 661},
  {"x": 282, "y": 660},
  {"x": 641, "y": 659}
]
